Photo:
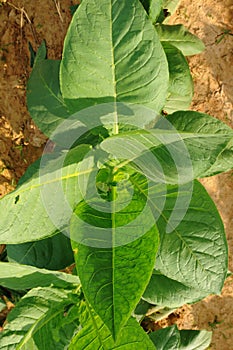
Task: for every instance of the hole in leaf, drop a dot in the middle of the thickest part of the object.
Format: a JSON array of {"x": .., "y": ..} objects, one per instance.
[{"x": 16, "y": 199}]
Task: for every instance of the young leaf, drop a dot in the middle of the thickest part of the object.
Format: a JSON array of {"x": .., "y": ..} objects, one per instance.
[
  {"x": 113, "y": 268},
  {"x": 45, "y": 318},
  {"x": 178, "y": 36},
  {"x": 53, "y": 253},
  {"x": 100, "y": 66},
  {"x": 180, "y": 91},
  {"x": 44, "y": 99},
  {"x": 167, "y": 292},
  {"x": 166, "y": 339},
  {"x": 195, "y": 253},
  {"x": 95, "y": 334},
  {"x": 19, "y": 277}
]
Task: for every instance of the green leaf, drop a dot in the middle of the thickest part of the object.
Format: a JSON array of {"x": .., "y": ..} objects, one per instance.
[
  {"x": 171, "y": 5},
  {"x": 180, "y": 91},
  {"x": 166, "y": 339},
  {"x": 45, "y": 318},
  {"x": 73, "y": 8},
  {"x": 170, "y": 338},
  {"x": 178, "y": 36},
  {"x": 124, "y": 61},
  {"x": 141, "y": 310},
  {"x": 41, "y": 53},
  {"x": 194, "y": 340},
  {"x": 53, "y": 253},
  {"x": 23, "y": 211},
  {"x": 141, "y": 149},
  {"x": 54, "y": 161},
  {"x": 191, "y": 121},
  {"x": 116, "y": 257},
  {"x": 195, "y": 252},
  {"x": 223, "y": 162},
  {"x": 95, "y": 335},
  {"x": 19, "y": 277},
  {"x": 44, "y": 100},
  {"x": 174, "y": 152},
  {"x": 153, "y": 8},
  {"x": 167, "y": 292}
]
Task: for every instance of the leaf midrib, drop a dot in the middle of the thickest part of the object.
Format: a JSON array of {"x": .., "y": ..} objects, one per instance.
[
  {"x": 115, "y": 131},
  {"x": 29, "y": 188}
]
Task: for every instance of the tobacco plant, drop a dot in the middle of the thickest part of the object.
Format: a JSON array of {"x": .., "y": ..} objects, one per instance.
[{"x": 118, "y": 194}]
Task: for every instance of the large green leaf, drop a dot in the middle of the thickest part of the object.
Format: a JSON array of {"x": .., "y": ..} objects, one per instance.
[
  {"x": 174, "y": 151},
  {"x": 195, "y": 252},
  {"x": 20, "y": 277},
  {"x": 45, "y": 318},
  {"x": 193, "y": 122},
  {"x": 167, "y": 292},
  {"x": 44, "y": 99},
  {"x": 53, "y": 253},
  {"x": 124, "y": 61},
  {"x": 178, "y": 36},
  {"x": 26, "y": 216},
  {"x": 114, "y": 260},
  {"x": 95, "y": 335},
  {"x": 180, "y": 91}
]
